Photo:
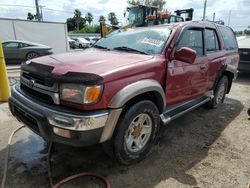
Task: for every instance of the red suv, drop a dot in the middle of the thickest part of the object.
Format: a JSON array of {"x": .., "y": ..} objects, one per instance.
[{"x": 129, "y": 84}]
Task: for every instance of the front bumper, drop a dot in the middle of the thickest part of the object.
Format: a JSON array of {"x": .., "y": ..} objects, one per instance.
[{"x": 56, "y": 123}]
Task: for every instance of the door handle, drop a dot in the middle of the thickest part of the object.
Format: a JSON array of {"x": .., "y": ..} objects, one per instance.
[{"x": 203, "y": 67}]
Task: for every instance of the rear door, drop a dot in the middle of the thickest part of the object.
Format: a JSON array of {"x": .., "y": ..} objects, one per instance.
[
  {"x": 187, "y": 81},
  {"x": 216, "y": 56},
  {"x": 230, "y": 46}
]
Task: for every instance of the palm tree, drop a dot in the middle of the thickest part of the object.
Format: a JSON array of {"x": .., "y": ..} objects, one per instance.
[
  {"x": 77, "y": 17},
  {"x": 158, "y": 3},
  {"x": 30, "y": 16},
  {"x": 112, "y": 18},
  {"x": 102, "y": 19},
  {"x": 89, "y": 17}
]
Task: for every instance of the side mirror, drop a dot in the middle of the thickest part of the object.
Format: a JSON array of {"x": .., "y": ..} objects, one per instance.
[{"x": 186, "y": 55}]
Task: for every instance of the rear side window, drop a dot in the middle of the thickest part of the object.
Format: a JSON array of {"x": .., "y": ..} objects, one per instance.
[
  {"x": 228, "y": 38},
  {"x": 211, "y": 39},
  {"x": 192, "y": 38}
]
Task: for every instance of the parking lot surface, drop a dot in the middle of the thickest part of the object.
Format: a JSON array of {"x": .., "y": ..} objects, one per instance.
[{"x": 204, "y": 148}]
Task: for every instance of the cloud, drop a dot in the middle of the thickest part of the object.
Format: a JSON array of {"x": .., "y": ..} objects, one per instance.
[{"x": 63, "y": 9}]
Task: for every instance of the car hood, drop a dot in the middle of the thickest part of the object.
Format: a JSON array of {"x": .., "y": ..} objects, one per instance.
[{"x": 92, "y": 61}]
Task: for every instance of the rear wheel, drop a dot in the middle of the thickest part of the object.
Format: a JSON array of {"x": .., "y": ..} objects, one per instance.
[
  {"x": 136, "y": 132},
  {"x": 31, "y": 55},
  {"x": 219, "y": 93},
  {"x": 80, "y": 45}
]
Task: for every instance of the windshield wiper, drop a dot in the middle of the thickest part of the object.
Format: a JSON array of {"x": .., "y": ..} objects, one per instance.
[
  {"x": 101, "y": 47},
  {"x": 125, "y": 48}
]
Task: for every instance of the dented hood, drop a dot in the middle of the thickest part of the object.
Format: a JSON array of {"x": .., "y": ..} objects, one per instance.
[{"x": 95, "y": 62}]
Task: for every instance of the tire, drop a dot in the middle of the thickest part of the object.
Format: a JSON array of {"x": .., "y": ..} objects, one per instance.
[
  {"x": 31, "y": 55},
  {"x": 80, "y": 45},
  {"x": 133, "y": 138},
  {"x": 219, "y": 93}
]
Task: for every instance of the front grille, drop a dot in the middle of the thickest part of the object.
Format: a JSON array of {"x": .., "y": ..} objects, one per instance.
[
  {"x": 37, "y": 95},
  {"x": 38, "y": 79}
]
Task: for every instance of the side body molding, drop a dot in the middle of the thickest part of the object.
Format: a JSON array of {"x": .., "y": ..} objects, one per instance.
[
  {"x": 135, "y": 89},
  {"x": 123, "y": 96}
]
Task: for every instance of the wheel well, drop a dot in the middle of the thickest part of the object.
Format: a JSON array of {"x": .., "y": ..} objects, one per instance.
[
  {"x": 153, "y": 96},
  {"x": 230, "y": 77}
]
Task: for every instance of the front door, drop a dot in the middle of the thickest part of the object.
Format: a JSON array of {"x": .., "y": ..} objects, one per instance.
[
  {"x": 11, "y": 52},
  {"x": 187, "y": 81}
]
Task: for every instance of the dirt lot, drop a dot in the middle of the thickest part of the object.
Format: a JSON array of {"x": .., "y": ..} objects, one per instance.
[{"x": 204, "y": 148}]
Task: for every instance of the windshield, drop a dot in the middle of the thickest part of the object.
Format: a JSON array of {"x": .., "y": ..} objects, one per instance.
[{"x": 147, "y": 41}]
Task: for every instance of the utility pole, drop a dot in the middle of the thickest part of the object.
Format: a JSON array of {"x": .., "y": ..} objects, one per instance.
[
  {"x": 229, "y": 17},
  {"x": 204, "y": 11},
  {"x": 213, "y": 16},
  {"x": 37, "y": 11}
]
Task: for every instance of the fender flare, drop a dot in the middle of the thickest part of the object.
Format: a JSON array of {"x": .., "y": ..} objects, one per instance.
[
  {"x": 132, "y": 90},
  {"x": 227, "y": 68},
  {"x": 232, "y": 69},
  {"x": 123, "y": 96}
]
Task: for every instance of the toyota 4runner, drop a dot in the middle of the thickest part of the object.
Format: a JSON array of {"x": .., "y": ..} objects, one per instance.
[{"x": 129, "y": 84}]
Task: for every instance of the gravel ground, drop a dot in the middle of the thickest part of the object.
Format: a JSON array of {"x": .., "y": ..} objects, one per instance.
[{"x": 204, "y": 148}]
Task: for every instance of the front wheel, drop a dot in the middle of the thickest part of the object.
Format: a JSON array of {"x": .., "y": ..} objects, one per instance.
[
  {"x": 219, "y": 93},
  {"x": 136, "y": 132}
]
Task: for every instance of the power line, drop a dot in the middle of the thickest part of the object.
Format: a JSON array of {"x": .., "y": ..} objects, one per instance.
[{"x": 33, "y": 7}]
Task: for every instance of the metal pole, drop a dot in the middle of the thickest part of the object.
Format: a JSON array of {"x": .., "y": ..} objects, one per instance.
[
  {"x": 37, "y": 11},
  {"x": 213, "y": 16},
  {"x": 204, "y": 11},
  {"x": 4, "y": 82},
  {"x": 229, "y": 17}
]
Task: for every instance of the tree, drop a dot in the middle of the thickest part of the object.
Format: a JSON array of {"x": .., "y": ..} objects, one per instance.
[
  {"x": 77, "y": 22},
  {"x": 102, "y": 19},
  {"x": 158, "y": 3},
  {"x": 78, "y": 18},
  {"x": 112, "y": 18},
  {"x": 134, "y": 2},
  {"x": 89, "y": 17},
  {"x": 71, "y": 24},
  {"x": 30, "y": 16}
]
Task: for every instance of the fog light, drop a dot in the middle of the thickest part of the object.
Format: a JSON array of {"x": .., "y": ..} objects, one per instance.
[{"x": 61, "y": 132}]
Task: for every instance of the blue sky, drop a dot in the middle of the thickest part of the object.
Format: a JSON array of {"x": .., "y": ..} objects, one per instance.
[{"x": 62, "y": 9}]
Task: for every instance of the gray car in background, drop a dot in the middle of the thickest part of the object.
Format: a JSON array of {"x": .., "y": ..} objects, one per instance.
[
  {"x": 16, "y": 51},
  {"x": 244, "y": 51}
]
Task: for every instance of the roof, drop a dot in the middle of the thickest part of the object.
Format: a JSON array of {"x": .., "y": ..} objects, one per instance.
[
  {"x": 23, "y": 41},
  {"x": 27, "y": 42}
]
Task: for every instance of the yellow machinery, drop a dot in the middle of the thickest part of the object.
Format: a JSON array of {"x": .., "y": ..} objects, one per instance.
[
  {"x": 4, "y": 82},
  {"x": 145, "y": 15}
]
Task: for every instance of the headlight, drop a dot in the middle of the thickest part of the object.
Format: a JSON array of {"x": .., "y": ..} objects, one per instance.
[{"x": 81, "y": 94}]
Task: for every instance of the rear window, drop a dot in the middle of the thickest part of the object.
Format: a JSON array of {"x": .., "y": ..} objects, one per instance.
[{"x": 228, "y": 38}]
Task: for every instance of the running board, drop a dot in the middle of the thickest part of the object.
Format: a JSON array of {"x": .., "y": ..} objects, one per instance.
[{"x": 176, "y": 112}]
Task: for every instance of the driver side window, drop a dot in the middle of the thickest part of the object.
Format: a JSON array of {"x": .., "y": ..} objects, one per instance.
[
  {"x": 12, "y": 45},
  {"x": 192, "y": 38}
]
